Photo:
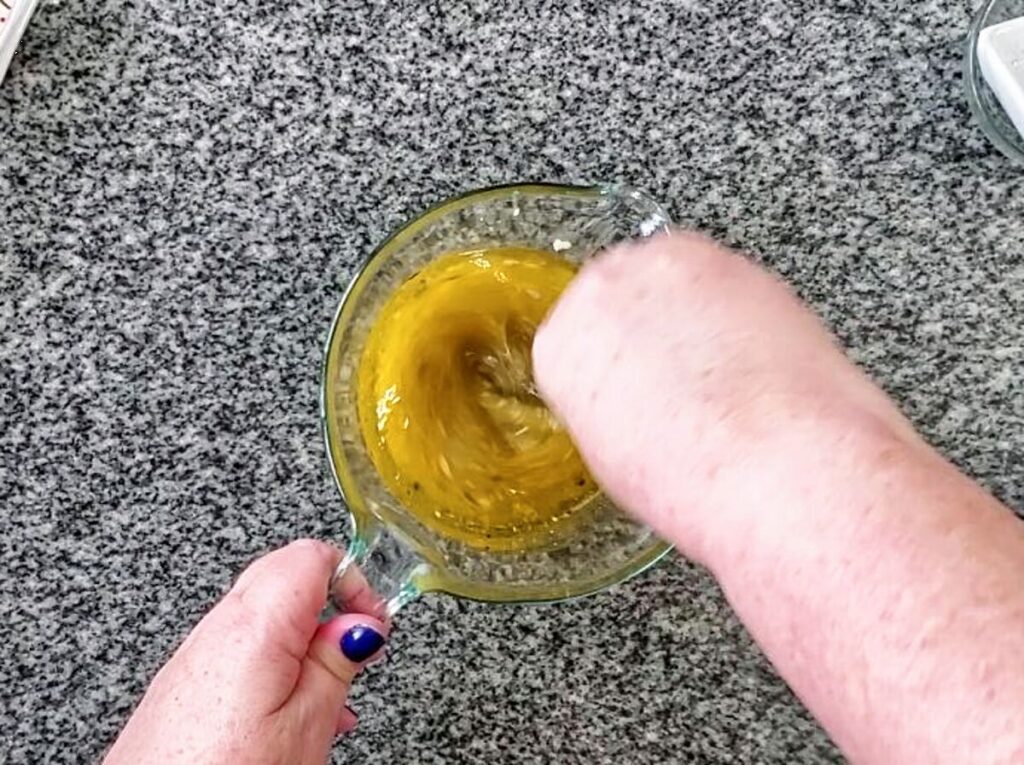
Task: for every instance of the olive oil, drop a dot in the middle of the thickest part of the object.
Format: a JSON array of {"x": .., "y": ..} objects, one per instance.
[{"x": 448, "y": 408}]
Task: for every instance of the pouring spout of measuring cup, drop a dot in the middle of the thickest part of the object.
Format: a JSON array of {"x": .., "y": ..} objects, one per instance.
[{"x": 615, "y": 214}]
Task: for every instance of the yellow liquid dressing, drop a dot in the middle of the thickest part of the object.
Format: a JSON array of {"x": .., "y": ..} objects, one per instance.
[{"x": 447, "y": 405}]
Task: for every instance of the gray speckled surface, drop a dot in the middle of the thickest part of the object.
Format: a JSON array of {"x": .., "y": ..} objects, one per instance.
[{"x": 185, "y": 188}]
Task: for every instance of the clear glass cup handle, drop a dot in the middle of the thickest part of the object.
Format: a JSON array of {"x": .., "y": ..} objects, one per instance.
[{"x": 379, "y": 561}]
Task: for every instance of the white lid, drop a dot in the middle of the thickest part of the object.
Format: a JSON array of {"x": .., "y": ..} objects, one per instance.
[{"x": 1001, "y": 57}]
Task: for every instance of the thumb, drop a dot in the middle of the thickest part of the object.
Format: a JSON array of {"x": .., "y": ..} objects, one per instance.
[{"x": 339, "y": 650}]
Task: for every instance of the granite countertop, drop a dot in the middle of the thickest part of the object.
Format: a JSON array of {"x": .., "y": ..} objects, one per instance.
[{"x": 185, "y": 189}]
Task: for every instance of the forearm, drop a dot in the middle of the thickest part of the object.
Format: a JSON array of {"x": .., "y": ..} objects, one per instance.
[{"x": 887, "y": 589}]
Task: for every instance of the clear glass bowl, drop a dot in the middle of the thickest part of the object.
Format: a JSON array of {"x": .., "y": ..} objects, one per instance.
[
  {"x": 983, "y": 102},
  {"x": 400, "y": 556}
]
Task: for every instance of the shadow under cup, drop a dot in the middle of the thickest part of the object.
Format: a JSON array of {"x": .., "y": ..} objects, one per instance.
[{"x": 398, "y": 555}]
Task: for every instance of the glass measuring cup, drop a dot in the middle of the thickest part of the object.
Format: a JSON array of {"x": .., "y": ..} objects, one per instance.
[{"x": 398, "y": 555}]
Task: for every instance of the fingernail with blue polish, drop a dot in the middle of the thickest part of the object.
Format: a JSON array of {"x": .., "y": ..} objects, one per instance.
[{"x": 359, "y": 643}]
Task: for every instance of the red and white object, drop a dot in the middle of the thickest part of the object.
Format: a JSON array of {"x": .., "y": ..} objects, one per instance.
[
  {"x": 14, "y": 18},
  {"x": 1001, "y": 57}
]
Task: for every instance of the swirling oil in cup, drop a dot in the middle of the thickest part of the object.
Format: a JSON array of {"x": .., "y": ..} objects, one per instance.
[{"x": 447, "y": 405}]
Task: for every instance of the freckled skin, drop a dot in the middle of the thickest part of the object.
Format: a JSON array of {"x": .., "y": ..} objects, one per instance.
[{"x": 884, "y": 585}]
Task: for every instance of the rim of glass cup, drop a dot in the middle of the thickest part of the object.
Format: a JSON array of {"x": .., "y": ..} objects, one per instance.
[
  {"x": 1010, "y": 143},
  {"x": 360, "y": 517}
]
